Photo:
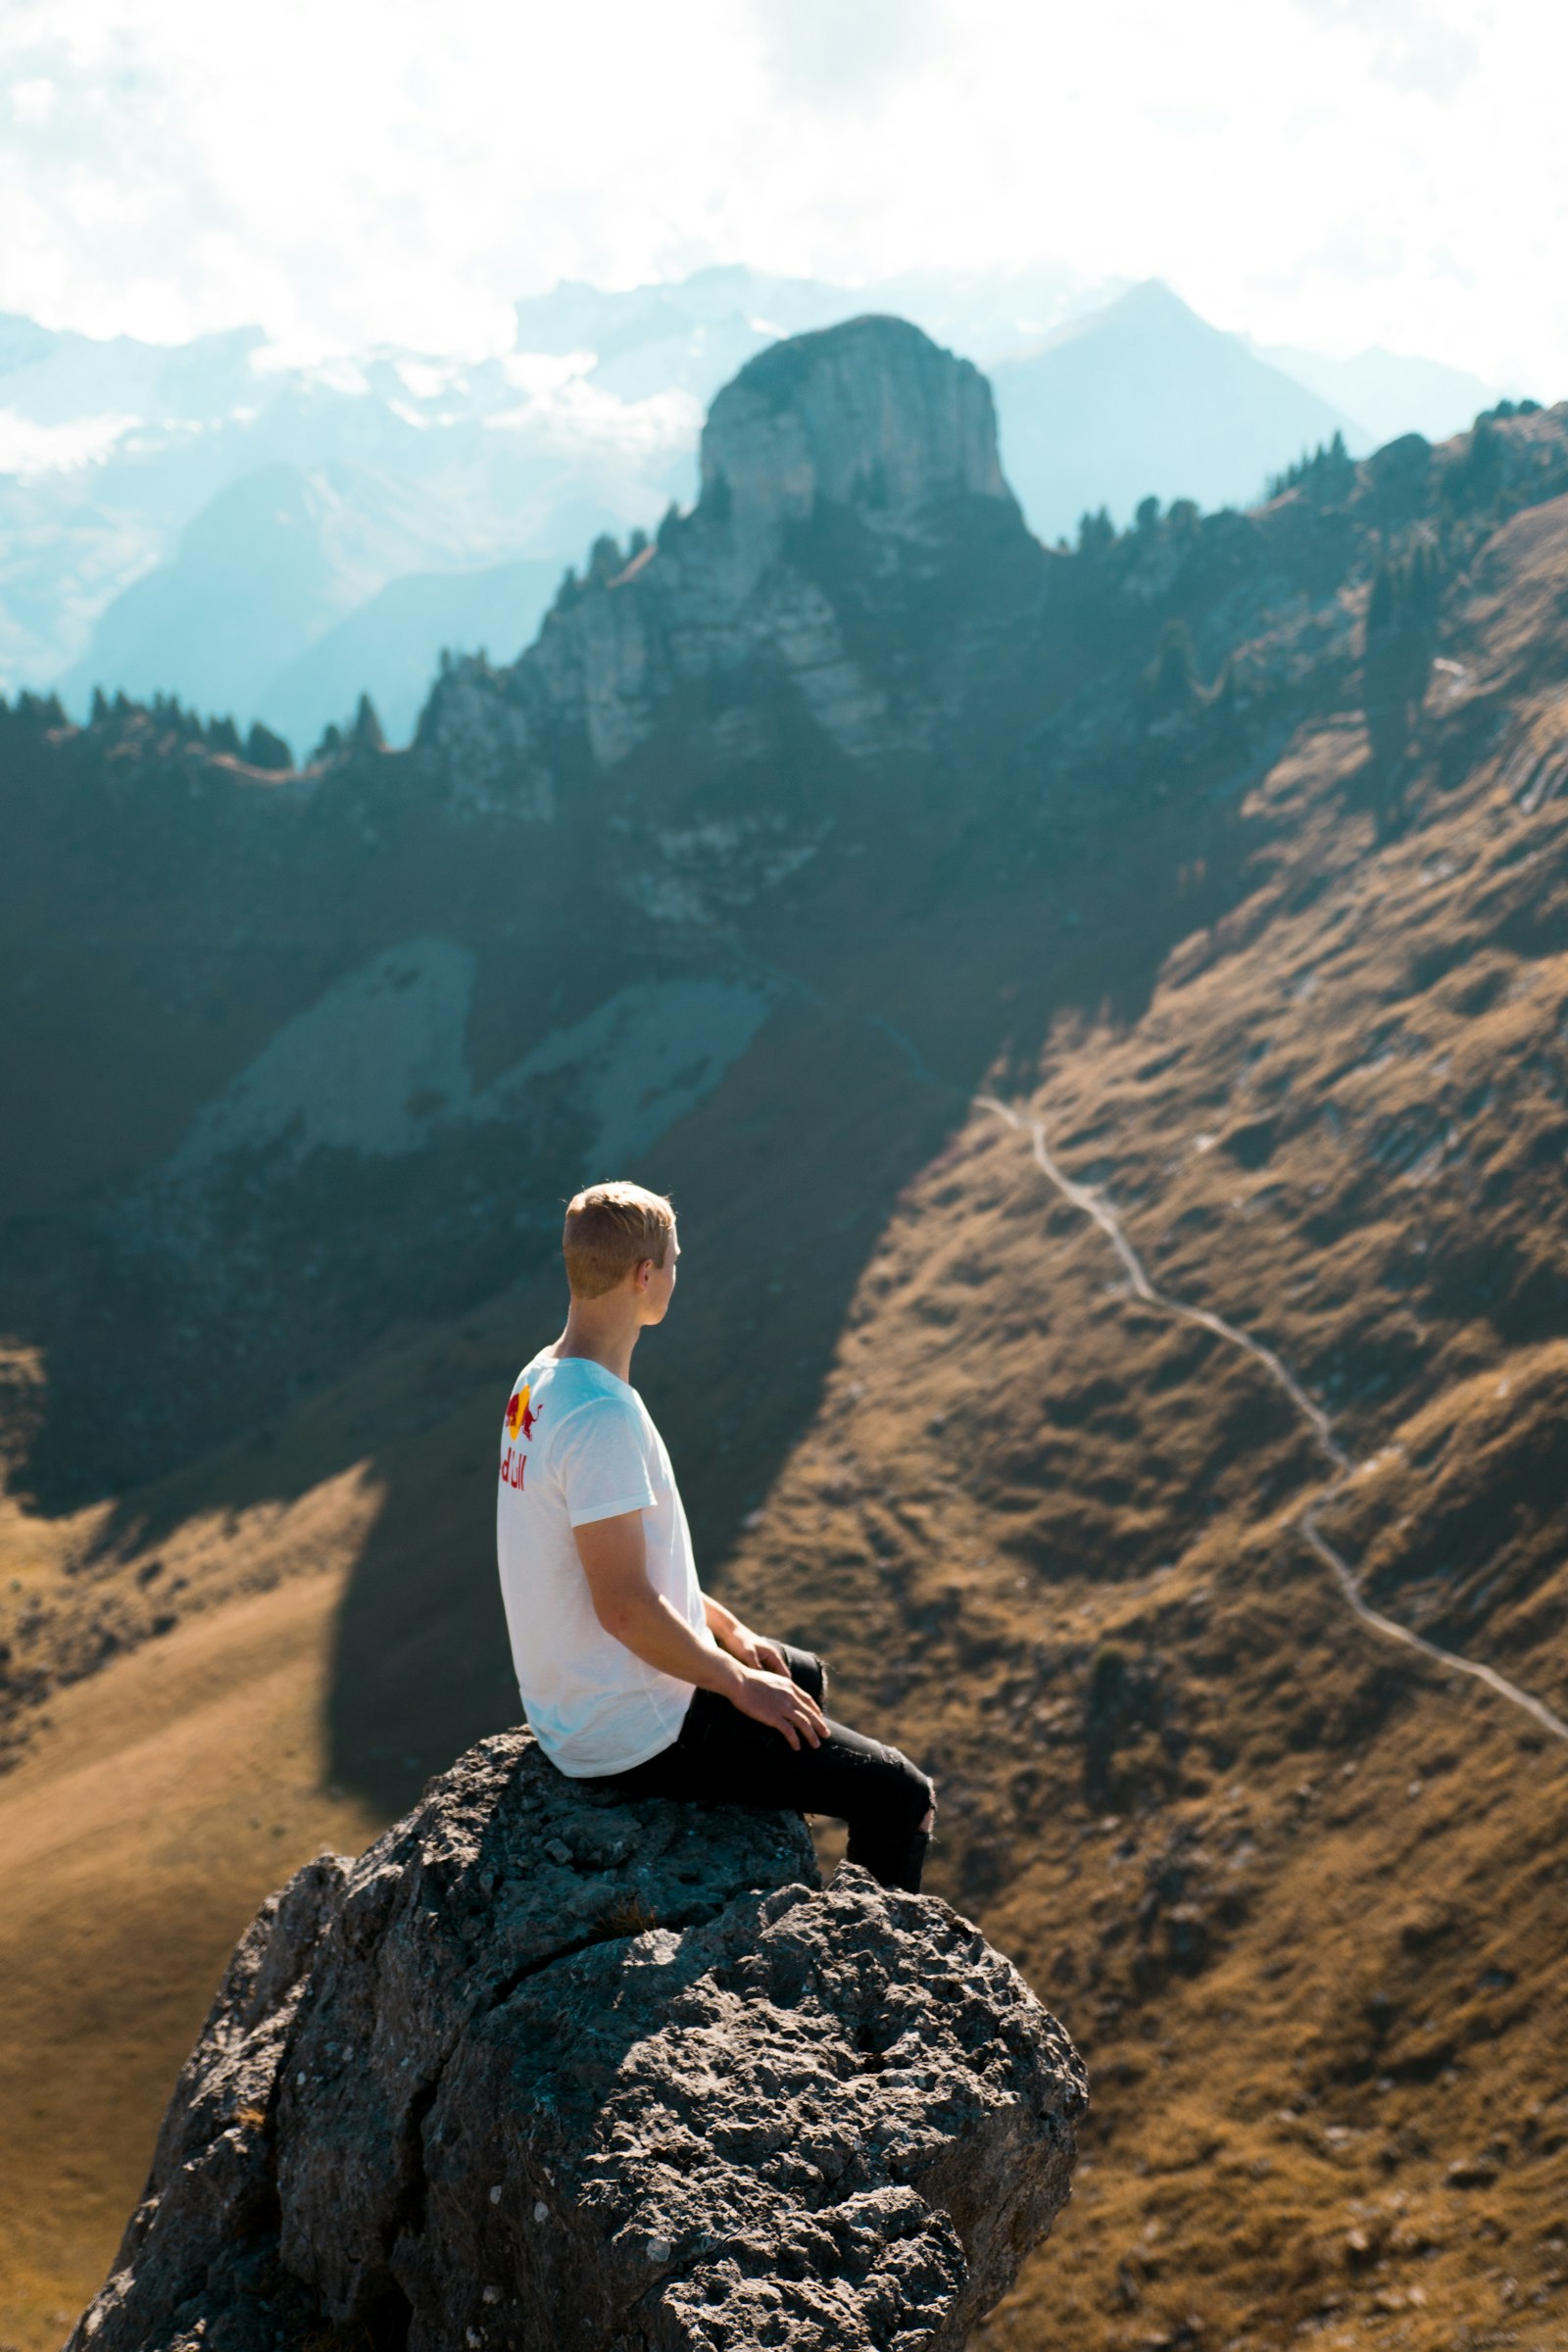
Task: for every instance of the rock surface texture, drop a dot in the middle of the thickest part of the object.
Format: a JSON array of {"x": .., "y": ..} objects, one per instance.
[{"x": 545, "y": 2070}]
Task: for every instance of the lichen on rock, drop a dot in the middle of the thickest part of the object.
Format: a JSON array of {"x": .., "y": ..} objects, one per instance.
[{"x": 542, "y": 2067}]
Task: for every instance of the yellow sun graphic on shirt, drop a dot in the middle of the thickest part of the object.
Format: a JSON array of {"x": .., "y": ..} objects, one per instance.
[{"x": 520, "y": 1416}]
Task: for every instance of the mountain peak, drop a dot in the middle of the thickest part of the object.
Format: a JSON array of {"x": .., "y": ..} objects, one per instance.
[
  {"x": 871, "y": 412},
  {"x": 1153, "y": 298},
  {"x": 1149, "y": 308}
]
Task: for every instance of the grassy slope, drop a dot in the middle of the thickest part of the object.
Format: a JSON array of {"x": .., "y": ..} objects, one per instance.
[
  {"x": 165, "y": 1800},
  {"x": 1297, "y": 1894}
]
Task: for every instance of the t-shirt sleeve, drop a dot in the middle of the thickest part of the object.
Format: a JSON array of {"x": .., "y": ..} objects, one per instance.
[{"x": 602, "y": 1463}]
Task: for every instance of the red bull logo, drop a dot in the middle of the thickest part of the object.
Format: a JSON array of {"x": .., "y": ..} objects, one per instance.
[{"x": 520, "y": 1416}]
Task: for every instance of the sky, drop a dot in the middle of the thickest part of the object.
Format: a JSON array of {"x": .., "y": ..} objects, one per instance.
[{"x": 1332, "y": 174}]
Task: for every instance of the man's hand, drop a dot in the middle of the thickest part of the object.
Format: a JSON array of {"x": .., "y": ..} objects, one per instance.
[
  {"x": 614, "y": 1556},
  {"x": 773, "y": 1699},
  {"x": 763, "y": 1657}
]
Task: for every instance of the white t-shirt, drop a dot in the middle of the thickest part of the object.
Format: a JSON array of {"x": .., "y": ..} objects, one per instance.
[{"x": 579, "y": 1444}]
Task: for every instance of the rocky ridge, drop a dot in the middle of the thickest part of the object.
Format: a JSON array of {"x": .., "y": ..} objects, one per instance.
[
  {"x": 542, "y": 2066},
  {"x": 871, "y": 420}
]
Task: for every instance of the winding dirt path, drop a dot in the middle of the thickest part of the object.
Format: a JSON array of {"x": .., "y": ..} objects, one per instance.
[{"x": 1093, "y": 1205}]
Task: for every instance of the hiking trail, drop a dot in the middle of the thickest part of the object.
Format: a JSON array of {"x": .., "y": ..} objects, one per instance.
[{"x": 1093, "y": 1203}]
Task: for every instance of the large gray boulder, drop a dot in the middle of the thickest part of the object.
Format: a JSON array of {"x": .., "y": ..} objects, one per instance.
[{"x": 541, "y": 2072}]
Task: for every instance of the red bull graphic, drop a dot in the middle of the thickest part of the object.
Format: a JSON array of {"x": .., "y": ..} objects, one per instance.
[{"x": 520, "y": 1416}]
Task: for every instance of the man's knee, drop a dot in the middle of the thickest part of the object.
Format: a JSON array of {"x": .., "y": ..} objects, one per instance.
[
  {"x": 919, "y": 1793},
  {"x": 928, "y": 1819},
  {"x": 808, "y": 1671}
]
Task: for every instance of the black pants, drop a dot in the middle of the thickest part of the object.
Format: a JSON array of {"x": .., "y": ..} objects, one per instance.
[{"x": 722, "y": 1757}]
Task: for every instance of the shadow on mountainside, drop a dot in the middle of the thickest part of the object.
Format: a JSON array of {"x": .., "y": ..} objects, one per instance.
[
  {"x": 784, "y": 1179},
  {"x": 933, "y": 951}
]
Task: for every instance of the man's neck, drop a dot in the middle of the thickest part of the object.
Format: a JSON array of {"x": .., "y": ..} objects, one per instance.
[{"x": 605, "y": 1331}]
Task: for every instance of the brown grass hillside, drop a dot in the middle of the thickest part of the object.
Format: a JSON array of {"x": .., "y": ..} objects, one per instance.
[
  {"x": 1302, "y": 1896},
  {"x": 1299, "y": 1891},
  {"x": 1303, "y": 1902}
]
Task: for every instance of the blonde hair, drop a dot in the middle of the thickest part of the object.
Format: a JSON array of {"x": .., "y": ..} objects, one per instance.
[{"x": 610, "y": 1229}]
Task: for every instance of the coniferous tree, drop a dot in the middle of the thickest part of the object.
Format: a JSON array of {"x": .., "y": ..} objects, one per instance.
[
  {"x": 367, "y": 735},
  {"x": 265, "y": 749},
  {"x": 1323, "y": 469},
  {"x": 41, "y": 709},
  {"x": 1474, "y": 480},
  {"x": 1171, "y": 679},
  {"x": 1381, "y": 604},
  {"x": 1401, "y": 618}
]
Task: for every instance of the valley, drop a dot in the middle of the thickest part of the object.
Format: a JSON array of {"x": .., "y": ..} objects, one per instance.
[{"x": 1102, "y": 1018}]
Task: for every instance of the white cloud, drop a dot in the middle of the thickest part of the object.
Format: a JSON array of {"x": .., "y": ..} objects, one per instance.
[
  {"x": 1413, "y": 44},
  {"x": 1323, "y": 173},
  {"x": 834, "y": 56},
  {"x": 33, "y": 101},
  {"x": 28, "y": 447}
]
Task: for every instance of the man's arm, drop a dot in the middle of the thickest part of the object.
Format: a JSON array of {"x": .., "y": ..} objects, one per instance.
[
  {"x": 739, "y": 1641},
  {"x": 614, "y": 1560}
]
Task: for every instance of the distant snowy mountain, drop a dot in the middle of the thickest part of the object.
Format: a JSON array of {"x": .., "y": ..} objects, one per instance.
[
  {"x": 696, "y": 333},
  {"x": 269, "y": 565},
  {"x": 203, "y": 542},
  {"x": 273, "y": 539}
]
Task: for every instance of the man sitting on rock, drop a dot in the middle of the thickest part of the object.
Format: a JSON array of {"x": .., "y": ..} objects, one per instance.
[{"x": 629, "y": 1674}]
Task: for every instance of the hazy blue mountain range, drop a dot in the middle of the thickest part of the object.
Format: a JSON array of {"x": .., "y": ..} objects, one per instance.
[
  {"x": 1144, "y": 396},
  {"x": 383, "y": 647},
  {"x": 272, "y": 539},
  {"x": 1389, "y": 392}
]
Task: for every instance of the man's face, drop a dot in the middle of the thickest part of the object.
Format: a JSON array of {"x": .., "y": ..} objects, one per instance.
[{"x": 658, "y": 1284}]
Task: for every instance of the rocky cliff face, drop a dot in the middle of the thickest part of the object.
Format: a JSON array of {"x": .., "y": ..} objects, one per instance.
[
  {"x": 541, "y": 2068},
  {"x": 870, "y": 422},
  {"x": 873, "y": 413}
]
